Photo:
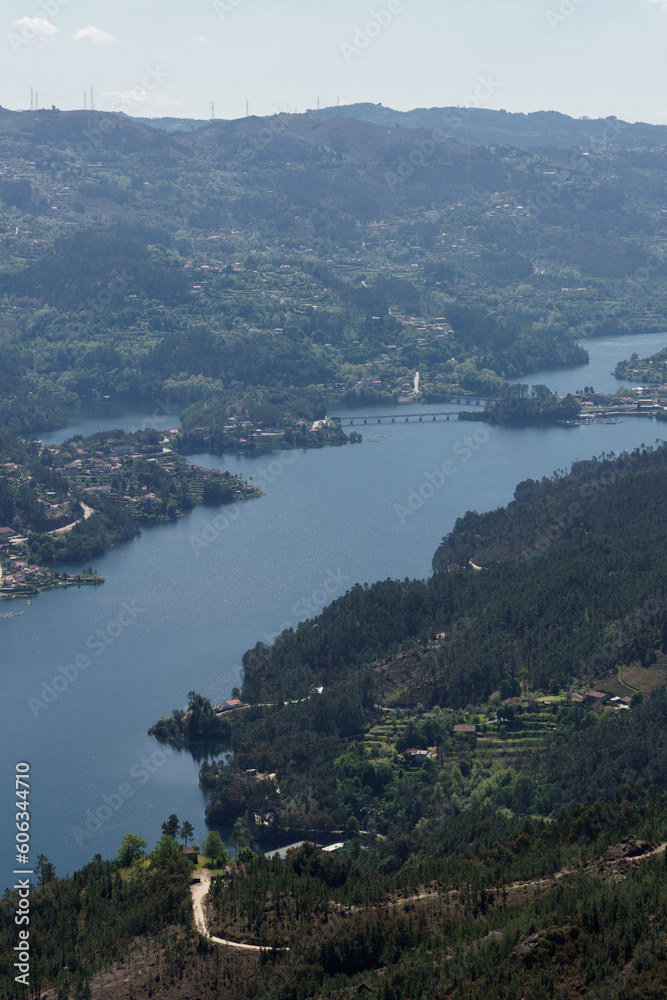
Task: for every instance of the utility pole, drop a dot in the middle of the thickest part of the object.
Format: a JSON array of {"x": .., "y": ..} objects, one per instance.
[
  {"x": 247, "y": 107},
  {"x": 85, "y": 103},
  {"x": 92, "y": 98},
  {"x": 212, "y": 111}
]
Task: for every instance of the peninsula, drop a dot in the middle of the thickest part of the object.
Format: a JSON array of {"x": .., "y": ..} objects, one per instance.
[
  {"x": 648, "y": 371},
  {"x": 72, "y": 502}
]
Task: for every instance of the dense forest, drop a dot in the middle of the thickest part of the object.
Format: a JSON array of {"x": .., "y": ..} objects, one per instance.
[
  {"x": 500, "y": 908},
  {"x": 84, "y": 923}
]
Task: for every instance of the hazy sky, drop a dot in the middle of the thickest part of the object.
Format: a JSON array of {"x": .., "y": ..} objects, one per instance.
[{"x": 173, "y": 57}]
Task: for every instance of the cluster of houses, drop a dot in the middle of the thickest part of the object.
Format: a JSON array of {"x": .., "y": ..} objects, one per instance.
[
  {"x": 598, "y": 699},
  {"x": 95, "y": 465},
  {"x": 20, "y": 578}
]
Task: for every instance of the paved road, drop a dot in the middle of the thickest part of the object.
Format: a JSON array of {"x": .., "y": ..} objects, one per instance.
[{"x": 87, "y": 511}]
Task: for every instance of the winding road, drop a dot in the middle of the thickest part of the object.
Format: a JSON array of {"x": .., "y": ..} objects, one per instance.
[
  {"x": 199, "y": 891},
  {"x": 87, "y": 511}
]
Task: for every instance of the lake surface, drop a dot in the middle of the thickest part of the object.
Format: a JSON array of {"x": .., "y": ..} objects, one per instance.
[
  {"x": 183, "y": 601},
  {"x": 605, "y": 353}
]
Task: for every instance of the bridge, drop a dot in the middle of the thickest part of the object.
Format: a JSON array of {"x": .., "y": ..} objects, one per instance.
[{"x": 399, "y": 418}]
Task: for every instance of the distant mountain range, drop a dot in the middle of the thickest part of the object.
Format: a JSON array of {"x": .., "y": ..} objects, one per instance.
[
  {"x": 476, "y": 126},
  {"x": 483, "y": 127}
]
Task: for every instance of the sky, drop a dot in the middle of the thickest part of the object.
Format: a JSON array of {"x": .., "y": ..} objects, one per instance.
[{"x": 175, "y": 57}]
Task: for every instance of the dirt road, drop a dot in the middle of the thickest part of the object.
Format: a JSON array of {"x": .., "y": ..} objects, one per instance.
[{"x": 199, "y": 892}]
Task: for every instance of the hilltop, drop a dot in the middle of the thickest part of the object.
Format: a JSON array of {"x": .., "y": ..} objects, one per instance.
[
  {"x": 481, "y": 126},
  {"x": 487, "y": 127}
]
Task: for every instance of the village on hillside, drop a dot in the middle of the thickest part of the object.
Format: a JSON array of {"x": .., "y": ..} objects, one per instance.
[{"x": 129, "y": 479}]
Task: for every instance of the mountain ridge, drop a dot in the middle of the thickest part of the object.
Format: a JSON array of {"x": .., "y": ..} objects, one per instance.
[{"x": 472, "y": 125}]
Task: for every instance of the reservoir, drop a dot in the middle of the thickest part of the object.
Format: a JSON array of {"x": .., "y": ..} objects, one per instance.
[{"x": 183, "y": 601}]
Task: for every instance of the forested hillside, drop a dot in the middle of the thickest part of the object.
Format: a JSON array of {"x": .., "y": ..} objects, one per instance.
[
  {"x": 563, "y": 564},
  {"x": 487, "y": 127},
  {"x": 324, "y": 260},
  {"x": 569, "y": 592},
  {"x": 502, "y": 908}
]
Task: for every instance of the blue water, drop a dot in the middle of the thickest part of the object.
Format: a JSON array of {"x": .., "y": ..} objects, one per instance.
[
  {"x": 183, "y": 601},
  {"x": 605, "y": 353}
]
